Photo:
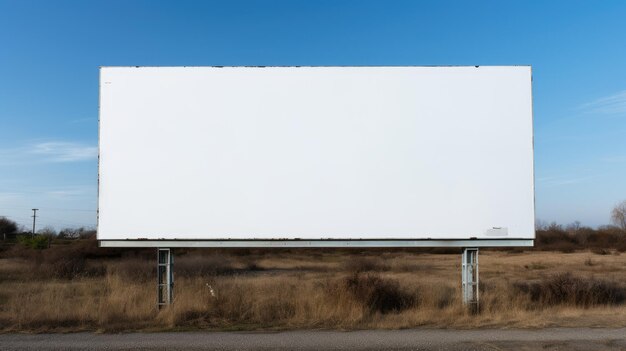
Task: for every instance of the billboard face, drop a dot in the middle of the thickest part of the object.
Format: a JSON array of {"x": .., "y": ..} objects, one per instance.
[{"x": 371, "y": 153}]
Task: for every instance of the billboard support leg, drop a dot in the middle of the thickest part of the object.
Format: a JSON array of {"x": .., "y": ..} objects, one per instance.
[
  {"x": 469, "y": 277},
  {"x": 165, "y": 277}
]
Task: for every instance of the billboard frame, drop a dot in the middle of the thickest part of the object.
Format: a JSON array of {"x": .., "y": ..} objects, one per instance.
[
  {"x": 317, "y": 243},
  {"x": 330, "y": 243}
]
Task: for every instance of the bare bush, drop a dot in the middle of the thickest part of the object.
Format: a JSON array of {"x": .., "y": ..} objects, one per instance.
[
  {"x": 555, "y": 238},
  {"x": 567, "y": 289},
  {"x": 379, "y": 294},
  {"x": 601, "y": 251},
  {"x": 67, "y": 267},
  {"x": 64, "y": 265},
  {"x": 618, "y": 215}
]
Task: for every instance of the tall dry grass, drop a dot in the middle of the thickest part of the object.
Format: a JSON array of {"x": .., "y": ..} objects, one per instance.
[{"x": 310, "y": 289}]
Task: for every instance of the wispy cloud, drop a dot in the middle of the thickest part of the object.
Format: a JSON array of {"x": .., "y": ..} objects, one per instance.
[
  {"x": 8, "y": 196},
  {"x": 50, "y": 151},
  {"x": 54, "y": 193},
  {"x": 614, "y": 159},
  {"x": 64, "y": 193},
  {"x": 613, "y": 104},
  {"x": 64, "y": 151}
]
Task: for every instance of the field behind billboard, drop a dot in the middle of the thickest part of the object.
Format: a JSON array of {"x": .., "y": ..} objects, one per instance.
[{"x": 570, "y": 279}]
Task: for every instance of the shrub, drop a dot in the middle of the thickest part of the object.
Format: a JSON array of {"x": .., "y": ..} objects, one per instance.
[
  {"x": 37, "y": 242},
  {"x": 252, "y": 266},
  {"x": 379, "y": 294},
  {"x": 568, "y": 289},
  {"x": 62, "y": 264},
  {"x": 67, "y": 267},
  {"x": 601, "y": 251},
  {"x": 555, "y": 238}
]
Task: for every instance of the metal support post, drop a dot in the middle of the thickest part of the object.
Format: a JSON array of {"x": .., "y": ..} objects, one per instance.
[
  {"x": 165, "y": 277},
  {"x": 469, "y": 277}
]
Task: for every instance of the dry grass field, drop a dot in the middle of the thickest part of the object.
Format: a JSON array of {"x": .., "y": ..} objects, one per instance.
[{"x": 58, "y": 290}]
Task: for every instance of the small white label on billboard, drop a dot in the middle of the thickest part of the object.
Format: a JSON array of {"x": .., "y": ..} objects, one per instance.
[{"x": 497, "y": 231}]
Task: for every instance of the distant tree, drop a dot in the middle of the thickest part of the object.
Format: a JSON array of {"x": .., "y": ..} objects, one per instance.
[
  {"x": 540, "y": 224},
  {"x": 554, "y": 226},
  {"x": 49, "y": 233},
  {"x": 7, "y": 226},
  {"x": 70, "y": 233},
  {"x": 618, "y": 215},
  {"x": 574, "y": 227},
  {"x": 87, "y": 233}
]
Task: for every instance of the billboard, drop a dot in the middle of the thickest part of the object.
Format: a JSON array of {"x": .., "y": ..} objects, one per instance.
[{"x": 316, "y": 156}]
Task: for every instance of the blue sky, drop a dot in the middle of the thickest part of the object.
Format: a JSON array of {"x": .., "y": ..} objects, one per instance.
[{"x": 50, "y": 52}]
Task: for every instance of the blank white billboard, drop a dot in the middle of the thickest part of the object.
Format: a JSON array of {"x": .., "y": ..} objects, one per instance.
[{"x": 313, "y": 153}]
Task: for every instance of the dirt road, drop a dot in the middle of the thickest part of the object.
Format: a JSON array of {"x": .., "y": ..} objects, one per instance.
[{"x": 420, "y": 339}]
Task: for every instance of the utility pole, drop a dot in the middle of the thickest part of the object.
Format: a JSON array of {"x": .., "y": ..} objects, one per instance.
[{"x": 34, "y": 219}]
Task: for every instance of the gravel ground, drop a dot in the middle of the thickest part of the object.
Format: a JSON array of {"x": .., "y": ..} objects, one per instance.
[{"x": 420, "y": 339}]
